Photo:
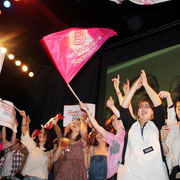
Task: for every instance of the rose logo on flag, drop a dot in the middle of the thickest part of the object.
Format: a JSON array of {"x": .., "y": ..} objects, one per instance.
[
  {"x": 79, "y": 38},
  {"x": 80, "y": 42}
]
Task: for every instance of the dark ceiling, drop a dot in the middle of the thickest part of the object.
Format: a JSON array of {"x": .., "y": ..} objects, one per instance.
[{"x": 27, "y": 21}]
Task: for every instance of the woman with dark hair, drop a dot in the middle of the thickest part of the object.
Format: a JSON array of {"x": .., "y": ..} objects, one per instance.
[
  {"x": 73, "y": 166},
  {"x": 115, "y": 141},
  {"x": 39, "y": 157},
  {"x": 96, "y": 157},
  {"x": 143, "y": 156}
]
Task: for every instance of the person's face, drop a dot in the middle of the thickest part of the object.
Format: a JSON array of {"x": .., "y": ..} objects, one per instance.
[
  {"x": 116, "y": 123},
  {"x": 42, "y": 136},
  {"x": 145, "y": 112},
  {"x": 75, "y": 126},
  {"x": 178, "y": 109},
  {"x": 99, "y": 138}
]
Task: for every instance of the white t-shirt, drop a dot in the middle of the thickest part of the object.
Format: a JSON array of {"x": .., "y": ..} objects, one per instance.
[
  {"x": 37, "y": 161},
  {"x": 139, "y": 165}
]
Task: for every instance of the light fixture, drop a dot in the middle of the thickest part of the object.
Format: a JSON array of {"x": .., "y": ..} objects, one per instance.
[
  {"x": 24, "y": 68},
  {"x": 11, "y": 56},
  {"x": 3, "y": 50},
  {"x": 31, "y": 74},
  {"x": 7, "y": 4},
  {"x": 18, "y": 62}
]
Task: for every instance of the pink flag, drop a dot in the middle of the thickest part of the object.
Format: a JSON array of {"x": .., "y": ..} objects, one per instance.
[{"x": 70, "y": 49}]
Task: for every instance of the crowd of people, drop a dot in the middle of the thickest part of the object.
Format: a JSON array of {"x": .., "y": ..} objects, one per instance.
[{"x": 131, "y": 146}]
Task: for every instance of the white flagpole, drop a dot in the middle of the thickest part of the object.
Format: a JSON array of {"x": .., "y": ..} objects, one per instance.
[{"x": 73, "y": 92}]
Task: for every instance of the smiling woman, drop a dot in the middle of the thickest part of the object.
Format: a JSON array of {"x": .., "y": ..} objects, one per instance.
[
  {"x": 39, "y": 158},
  {"x": 73, "y": 167},
  {"x": 143, "y": 157}
]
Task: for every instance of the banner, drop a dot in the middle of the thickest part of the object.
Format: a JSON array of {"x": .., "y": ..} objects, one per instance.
[
  {"x": 147, "y": 2},
  {"x": 7, "y": 115},
  {"x": 2, "y": 55},
  {"x": 72, "y": 48},
  {"x": 141, "y": 2},
  {"x": 72, "y": 112}
]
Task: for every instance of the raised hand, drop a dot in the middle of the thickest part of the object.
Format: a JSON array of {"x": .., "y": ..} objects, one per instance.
[
  {"x": 22, "y": 113},
  {"x": 56, "y": 119},
  {"x": 126, "y": 87},
  {"x": 163, "y": 94},
  {"x": 110, "y": 102},
  {"x": 83, "y": 106},
  {"x": 144, "y": 78},
  {"x": 116, "y": 83},
  {"x": 138, "y": 83},
  {"x": 164, "y": 132}
]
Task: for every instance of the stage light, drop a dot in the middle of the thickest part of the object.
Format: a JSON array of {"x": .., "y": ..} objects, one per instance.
[
  {"x": 3, "y": 50},
  {"x": 31, "y": 74},
  {"x": 7, "y": 4},
  {"x": 0, "y": 12},
  {"x": 11, "y": 56},
  {"x": 18, "y": 62},
  {"x": 24, "y": 68}
]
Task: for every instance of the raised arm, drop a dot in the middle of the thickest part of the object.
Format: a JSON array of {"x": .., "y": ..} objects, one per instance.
[
  {"x": 112, "y": 107},
  {"x": 151, "y": 93},
  {"x": 167, "y": 95},
  {"x": 116, "y": 82},
  {"x": 128, "y": 97},
  {"x": 126, "y": 87},
  {"x": 57, "y": 129},
  {"x": 171, "y": 114},
  {"x": 28, "y": 123},
  {"x": 8, "y": 144},
  {"x": 100, "y": 129},
  {"x": 24, "y": 122},
  {"x": 57, "y": 153}
]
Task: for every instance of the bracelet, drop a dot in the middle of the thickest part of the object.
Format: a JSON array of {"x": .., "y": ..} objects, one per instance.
[
  {"x": 24, "y": 125},
  {"x": 162, "y": 141},
  {"x": 118, "y": 93}
]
